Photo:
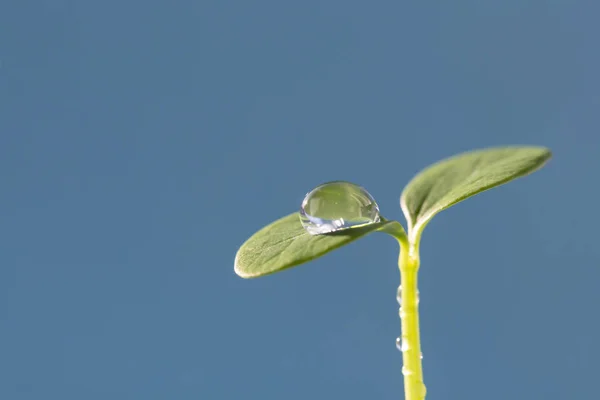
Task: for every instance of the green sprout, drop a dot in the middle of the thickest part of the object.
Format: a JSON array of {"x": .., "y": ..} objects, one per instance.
[{"x": 286, "y": 242}]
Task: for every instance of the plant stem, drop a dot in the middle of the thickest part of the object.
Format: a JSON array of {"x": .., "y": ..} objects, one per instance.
[{"x": 414, "y": 388}]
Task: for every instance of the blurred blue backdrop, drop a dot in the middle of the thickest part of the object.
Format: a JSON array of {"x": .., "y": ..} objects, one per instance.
[{"x": 142, "y": 142}]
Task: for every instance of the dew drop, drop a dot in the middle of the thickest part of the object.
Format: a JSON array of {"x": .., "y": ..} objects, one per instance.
[
  {"x": 418, "y": 297},
  {"x": 401, "y": 345},
  {"x": 335, "y": 206},
  {"x": 406, "y": 371},
  {"x": 401, "y": 313},
  {"x": 421, "y": 356},
  {"x": 399, "y": 295}
]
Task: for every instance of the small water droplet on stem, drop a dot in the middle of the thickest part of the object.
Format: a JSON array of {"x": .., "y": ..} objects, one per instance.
[
  {"x": 401, "y": 313},
  {"x": 401, "y": 345}
]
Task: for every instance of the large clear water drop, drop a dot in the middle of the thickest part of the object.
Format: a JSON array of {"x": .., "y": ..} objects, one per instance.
[{"x": 338, "y": 205}]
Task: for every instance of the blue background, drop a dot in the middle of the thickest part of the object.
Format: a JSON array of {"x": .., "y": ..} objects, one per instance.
[{"x": 142, "y": 142}]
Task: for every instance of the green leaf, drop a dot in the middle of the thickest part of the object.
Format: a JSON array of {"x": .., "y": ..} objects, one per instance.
[
  {"x": 285, "y": 243},
  {"x": 454, "y": 179}
]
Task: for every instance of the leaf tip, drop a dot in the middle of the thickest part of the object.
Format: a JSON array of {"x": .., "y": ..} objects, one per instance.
[
  {"x": 238, "y": 269},
  {"x": 545, "y": 154}
]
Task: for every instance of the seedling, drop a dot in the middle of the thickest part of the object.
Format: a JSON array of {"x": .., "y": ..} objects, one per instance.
[{"x": 337, "y": 213}]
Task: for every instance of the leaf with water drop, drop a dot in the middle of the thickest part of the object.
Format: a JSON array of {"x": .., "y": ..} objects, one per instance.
[
  {"x": 285, "y": 243},
  {"x": 454, "y": 179}
]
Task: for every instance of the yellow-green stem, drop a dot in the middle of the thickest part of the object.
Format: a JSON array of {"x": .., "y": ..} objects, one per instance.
[{"x": 414, "y": 388}]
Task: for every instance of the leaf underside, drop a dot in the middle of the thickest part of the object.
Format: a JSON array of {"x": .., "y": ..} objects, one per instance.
[
  {"x": 285, "y": 243},
  {"x": 454, "y": 179}
]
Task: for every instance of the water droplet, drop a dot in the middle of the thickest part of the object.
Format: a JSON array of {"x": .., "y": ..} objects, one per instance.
[
  {"x": 406, "y": 371},
  {"x": 421, "y": 356},
  {"x": 399, "y": 295},
  {"x": 401, "y": 313},
  {"x": 418, "y": 297},
  {"x": 401, "y": 345},
  {"x": 338, "y": 205}
]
